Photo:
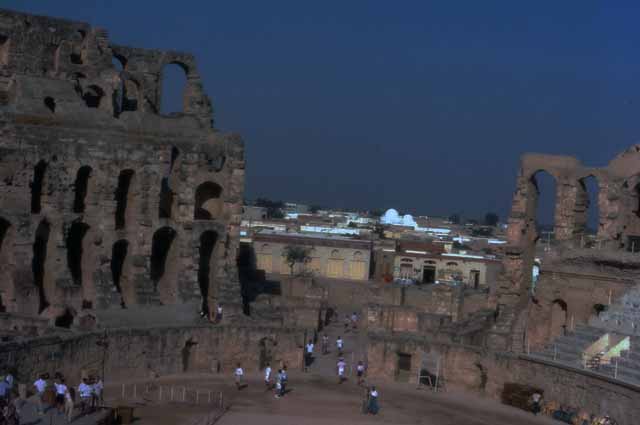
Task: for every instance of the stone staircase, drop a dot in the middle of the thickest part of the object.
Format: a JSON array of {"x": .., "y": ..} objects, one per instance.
[
  {"x": 568, "y": 348},
  {"x": 623, "y": 316}
]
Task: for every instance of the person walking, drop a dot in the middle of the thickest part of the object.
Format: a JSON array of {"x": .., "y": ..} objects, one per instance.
[
  {"x": 96, "y": 393},
  {"x": 373, "y": 407},
  {"x": 536, "y": 398},
  {"x": 360, "y": 368},
  {"x": 239, "y": 374},
  {"x": 354, "y": 320},
  {"x": 40, "y": 385},
  {"x": 68, "y": 404},
  {"x": 9, "y": 380},
  {"x": 85, "y": 391},
  {"x": 325, "y": 344},
  {"x": 267, "y": 376},
  {"x": 308, "y": 355},
  {"x": 61, "y": 390},
  {"x": 339, "y": 345},
  {"x": 284, "y": 380},
  {"x": 279, "y": 385},
  {"x": 341, "y": 366}
]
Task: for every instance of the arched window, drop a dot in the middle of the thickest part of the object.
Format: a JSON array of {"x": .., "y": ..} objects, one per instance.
[
  {"x": 74, "y": 243},
  {"x": 357, "y": 256},
  {"x": 36, "y": 187},
  {"x": 165, "y": 205},
  {"x": 164, "y": 264},
  {"x": 174, "y": 83},
  {"x": 452, "y": 264},
  {"x": 586, "y": 211},
  {"x": 39, "y": 259},
  {"x": 545, "y": 204},
  {"x": 208, "y": 205},
  {"x": 265, "y": 248},
  {"x": 81, "y": 186},
  {"x": 119, "y": 253},
  {"x": 208, "y": 241},
  {"x": 335, "y": 254},
  {"x": 4, "y": 49},
  {"x": 123, "y": 197},
  {"x": 93, "y": 96}
]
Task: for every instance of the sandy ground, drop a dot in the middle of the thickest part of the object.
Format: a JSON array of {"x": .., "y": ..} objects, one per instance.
[{"x": 319, "y": 400}]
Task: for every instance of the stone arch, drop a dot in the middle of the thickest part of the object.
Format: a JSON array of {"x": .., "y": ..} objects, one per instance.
[
  {"x": 586, "y": 210},
  {"x": 558, "y": 318},
  {"x": 81, "y": 187},
  {"x": 266, "y": 347},
  {"x": 4, "y": 49},
  {"x": 65, "y": 320},
  {"x": 208, "y": 202},
  {"x": 124, "y": 198},
  {"x": 6, "y": 280},
  {"x": 357, "y": 256},
  {"x": 165, "y": 203},
  {"x": 93, "y": 96},
  {"x": 164, "y": 264},
  {"x": 76, "y": 247},
  {"x": 538, "y": 208},
  {"x": 37, "y": 185},
  {"x": 173, "y": 88},
  {"x": 206, "y": 266},
  {"x": 336, "y": 254},
  {"x": 120, "y": 272},
  {"x": 39, "y": 262}
]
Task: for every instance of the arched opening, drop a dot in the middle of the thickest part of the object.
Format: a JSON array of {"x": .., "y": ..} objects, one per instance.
[
  {"x": 81, "y": 186},
  {"x": 118, "y": 93},
  {"x": 4, "y": 49},
  {"x": 93, "y": 96},
  {"x": 4, "y": 229},
  {"x": 187, "y": 354},
  {"x": 208, "y": 241},
  {"x": 40, "y": 245},
  {"x": 118, "y": 255},
  {"x": 174, "y": 83},
  {"x": 166, "y": 199},
  {"x": 122, "y": 197},
  {"x": 36, "y": 186},
  {"x": 208, "y": 205},
  {"x": 74, "y": 243},
  {"x": 545, "y": 205},
  {"x": 175, "y": 153},
  {"x": 65, "y": 320},
  {"x": 50, "y": 103},
  {"x": 164, "y": 263},
  {"x": 586, "y": 210},
  {"x": 559, "y": 319},
  {"x": 5, "y": 278}
]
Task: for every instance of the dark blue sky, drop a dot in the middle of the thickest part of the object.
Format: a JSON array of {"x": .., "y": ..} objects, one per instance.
[{"x": 419, "y": 105}]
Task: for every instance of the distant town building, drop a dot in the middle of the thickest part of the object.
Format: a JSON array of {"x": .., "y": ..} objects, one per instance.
[
  {"x": 253, "y": 213},
  {"x": 329, "y": 256}
]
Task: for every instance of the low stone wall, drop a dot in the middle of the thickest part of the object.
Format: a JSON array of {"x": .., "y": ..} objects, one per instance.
[
  {"x": 143, "y": 353},
  {"x": 568, "y": 386}
]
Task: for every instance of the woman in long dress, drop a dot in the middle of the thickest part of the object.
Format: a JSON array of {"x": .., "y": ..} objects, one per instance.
[{"x": 373, "y": 401}]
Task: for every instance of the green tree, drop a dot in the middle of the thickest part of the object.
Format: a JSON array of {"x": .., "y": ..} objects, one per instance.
[
  {"x": 295, "y": 254},
  {"x": 314, "y": 209},
  {"x": 454, "y": 218},
  {"x": 491, "y": 219}
]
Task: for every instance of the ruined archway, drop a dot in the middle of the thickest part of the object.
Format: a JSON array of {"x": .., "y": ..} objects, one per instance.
[
  {"x": 38, "y": 264},
  {"x": 164, "y": 264},
  {"x": 81, "y": 187},
  {"x": 75, "y": 250},
  {"x": 119, "y": 252},
  {"x": 586, "y": 211},
  {"x": 206, "y": 266},
  {"x": 544, "y": 206},
  {"x": 208, "y": 204},
  {"x": 124, "y": 198},
  {"x": 558, "y": 318},
  {"x": 37, "y": 185},
  {"x": 165, "y": 205},
  {"x": 173, "y": 87}
]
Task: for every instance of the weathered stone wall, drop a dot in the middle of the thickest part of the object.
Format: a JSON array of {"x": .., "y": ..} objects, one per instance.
[
  {"x": 143, "y": 353},
  {"x": 105, "y": 201}
]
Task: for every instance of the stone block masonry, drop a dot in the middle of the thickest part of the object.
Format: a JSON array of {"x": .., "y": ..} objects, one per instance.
[{"x": 106, "y": 202}]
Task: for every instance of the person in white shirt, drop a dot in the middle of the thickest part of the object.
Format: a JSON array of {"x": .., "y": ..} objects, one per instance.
[
  {"x": 218, "y": 313},
  {"x": 339, "y": 345},
  {"x": 373, "y": 402},
  {"x": 308, "y": 357},
  {"x": 267, "y": 376},
  {"x": 239, "y": 373},
  {"x": 96, "y": 396},
  {"x": 360, "y": 372},
  {"x": 325, "y": 344},
  {"x": 341, "y": 366},
  {"x": 85, "y": 391},
  {"x": 61, "y": 390},
  {"x": 41, "y": 386}
]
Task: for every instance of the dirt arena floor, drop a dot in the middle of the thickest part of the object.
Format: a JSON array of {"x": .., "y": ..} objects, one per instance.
[{"x": 318, "y": 400}]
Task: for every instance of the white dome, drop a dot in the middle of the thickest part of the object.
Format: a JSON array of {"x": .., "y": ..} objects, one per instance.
[
  {"x": 391, "y": 217},
  {"x": 408, "y": 220}
]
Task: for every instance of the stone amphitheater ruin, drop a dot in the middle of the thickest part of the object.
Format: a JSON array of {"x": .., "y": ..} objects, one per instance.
[{"x": 120, "y": 223}]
